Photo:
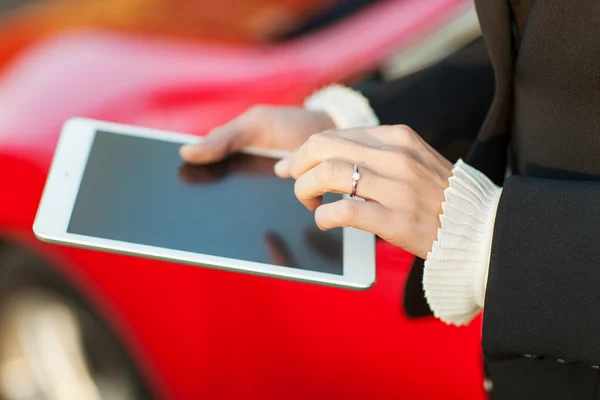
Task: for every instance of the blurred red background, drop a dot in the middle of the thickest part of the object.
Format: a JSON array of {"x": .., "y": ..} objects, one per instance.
[{"x": 149, "y": 329}]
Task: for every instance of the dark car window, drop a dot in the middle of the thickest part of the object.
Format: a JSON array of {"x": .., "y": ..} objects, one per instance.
[{"x": 331, "y": 15}]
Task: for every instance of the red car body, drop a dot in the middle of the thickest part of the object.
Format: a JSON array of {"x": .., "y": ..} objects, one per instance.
[{"x": 198, "y": 333}]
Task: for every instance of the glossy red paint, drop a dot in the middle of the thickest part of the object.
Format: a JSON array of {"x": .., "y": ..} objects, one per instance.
[{"x": 200, "y": 333}]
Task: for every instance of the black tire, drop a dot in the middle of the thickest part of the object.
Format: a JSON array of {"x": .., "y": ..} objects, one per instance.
[{"x": 41, "y": 316}]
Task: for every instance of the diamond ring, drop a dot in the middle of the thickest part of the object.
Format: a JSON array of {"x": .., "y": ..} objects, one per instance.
[{"x": 355, "y": 179}]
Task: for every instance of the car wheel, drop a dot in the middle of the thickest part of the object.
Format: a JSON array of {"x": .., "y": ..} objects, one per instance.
[{"x": 53, "y": 346}]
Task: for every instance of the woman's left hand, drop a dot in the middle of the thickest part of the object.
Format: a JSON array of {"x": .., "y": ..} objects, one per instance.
[{"x": 402, "y": 182}]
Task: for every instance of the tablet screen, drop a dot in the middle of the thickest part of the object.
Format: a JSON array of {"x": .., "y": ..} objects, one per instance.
[{"x": 138, "y": 190}]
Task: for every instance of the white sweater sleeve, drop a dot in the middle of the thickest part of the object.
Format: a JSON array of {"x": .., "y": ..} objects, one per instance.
[
  {"x": 456, "y": 269},
  {"x": 346, "y": 107}
]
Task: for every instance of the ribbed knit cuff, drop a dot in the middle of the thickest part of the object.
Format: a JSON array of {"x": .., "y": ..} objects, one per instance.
[
  {"x": 346, "y": 107},
  {"x": 457, "y": 266}
]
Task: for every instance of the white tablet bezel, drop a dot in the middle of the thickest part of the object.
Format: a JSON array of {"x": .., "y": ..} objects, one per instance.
[{"x": 62, "y": 186}]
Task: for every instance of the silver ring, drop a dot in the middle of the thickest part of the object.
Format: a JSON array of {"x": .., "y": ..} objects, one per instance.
[{"x": 355, "y": 179}]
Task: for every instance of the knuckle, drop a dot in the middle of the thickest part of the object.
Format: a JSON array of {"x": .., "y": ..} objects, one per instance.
[
  {"x": 307, "y": 149},
  {"x": 327, "y": 171},
  {"x": 315, "y": 143},
  {"x": 405, "y": 131}
]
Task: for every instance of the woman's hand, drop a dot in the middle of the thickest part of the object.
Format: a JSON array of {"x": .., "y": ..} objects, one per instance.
[
  {"x": 402, "y": 181},
  {"x": 280, "y": 128}
]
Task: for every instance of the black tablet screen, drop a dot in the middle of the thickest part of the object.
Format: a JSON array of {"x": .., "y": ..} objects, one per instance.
[{"x": 138, "y": 190}]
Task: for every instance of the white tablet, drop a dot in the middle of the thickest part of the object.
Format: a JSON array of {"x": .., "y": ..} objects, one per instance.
[{"x": 125, "y": 189}]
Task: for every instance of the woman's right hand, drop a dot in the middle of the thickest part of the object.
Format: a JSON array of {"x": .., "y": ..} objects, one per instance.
[{"x": 277, "y": 128}]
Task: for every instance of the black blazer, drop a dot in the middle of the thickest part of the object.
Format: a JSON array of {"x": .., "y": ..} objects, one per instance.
[{"x": 541, "y": 325}]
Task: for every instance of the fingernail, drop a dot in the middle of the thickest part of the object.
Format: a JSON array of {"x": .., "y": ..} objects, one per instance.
[{"x": 282, "y": 167}]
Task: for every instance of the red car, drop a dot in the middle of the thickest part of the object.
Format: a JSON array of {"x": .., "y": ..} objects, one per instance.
[{"x": 79, "y": 324}]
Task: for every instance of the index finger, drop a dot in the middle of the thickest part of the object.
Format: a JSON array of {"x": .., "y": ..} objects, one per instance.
[
  {"x": 217, "y": 145},
  {"x": 324, "y": 146}
]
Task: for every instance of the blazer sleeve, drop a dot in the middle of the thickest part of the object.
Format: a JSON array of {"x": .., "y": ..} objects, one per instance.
[
  {"x": 445, "y": 103},
  {"x": 543, "y": 288}
]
